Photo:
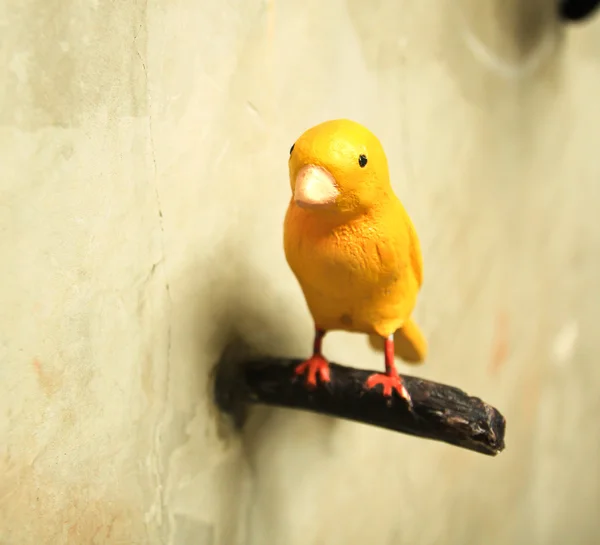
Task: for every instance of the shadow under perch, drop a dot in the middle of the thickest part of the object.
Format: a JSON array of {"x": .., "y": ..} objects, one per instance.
[{"x": 439, "y": 412}]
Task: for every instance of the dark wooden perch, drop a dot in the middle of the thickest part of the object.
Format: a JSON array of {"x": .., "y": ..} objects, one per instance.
[{"x": 440, "y": 412}]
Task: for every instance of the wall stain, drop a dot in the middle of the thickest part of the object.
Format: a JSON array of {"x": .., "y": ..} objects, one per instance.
[
  {"x": 65, "y": 513},
  {"x": 49, "y": 381},
  {"x": 70, "y": 61}
]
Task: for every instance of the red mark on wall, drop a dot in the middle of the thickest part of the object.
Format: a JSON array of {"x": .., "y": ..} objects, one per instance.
[
  {"x": 74, "y": 516},
  {"x": 499, "y": 343},
  {"x": 48, "y": 380}
]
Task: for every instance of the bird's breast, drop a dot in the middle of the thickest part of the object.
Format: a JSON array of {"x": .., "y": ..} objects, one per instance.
[
  {"x": 355, "y": 260},
  {"x": 355, "y": 277}
]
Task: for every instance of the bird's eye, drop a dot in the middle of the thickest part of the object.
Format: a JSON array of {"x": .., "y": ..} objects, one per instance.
[
  {"x": 292, "y": 148},
  {"x": 362, "y": 160}
]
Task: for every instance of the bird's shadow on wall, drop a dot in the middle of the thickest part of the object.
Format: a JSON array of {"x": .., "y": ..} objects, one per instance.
[{"x": 250, "y": 319}]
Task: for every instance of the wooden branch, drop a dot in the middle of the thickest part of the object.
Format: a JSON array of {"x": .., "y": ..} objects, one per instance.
[{"x": 440, "y": 412}]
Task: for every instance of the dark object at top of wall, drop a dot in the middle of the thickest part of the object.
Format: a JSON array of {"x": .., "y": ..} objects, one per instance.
[{"x": 577, "y": 10}]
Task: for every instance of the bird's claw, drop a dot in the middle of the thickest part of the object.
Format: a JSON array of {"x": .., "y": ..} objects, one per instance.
[
  {"x": 389, "y": 383},
  {"x": 315, "y": 364}
]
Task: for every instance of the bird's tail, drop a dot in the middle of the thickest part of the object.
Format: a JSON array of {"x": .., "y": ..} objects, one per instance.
[{"x": 409, "y": 343}]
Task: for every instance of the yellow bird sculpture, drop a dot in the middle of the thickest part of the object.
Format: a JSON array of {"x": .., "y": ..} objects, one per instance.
[{"x": 353, "y": 248}]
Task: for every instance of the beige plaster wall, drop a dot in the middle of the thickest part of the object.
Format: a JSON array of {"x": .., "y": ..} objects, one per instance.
[{"x": 143, "y": 183}]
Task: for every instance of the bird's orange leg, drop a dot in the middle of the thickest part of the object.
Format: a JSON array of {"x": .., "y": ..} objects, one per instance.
[
  {"x": 391, "y": 380},
  {"x": 316, "y": 363}
]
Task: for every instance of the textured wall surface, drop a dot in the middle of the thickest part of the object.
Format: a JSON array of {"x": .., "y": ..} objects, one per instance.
[{"x": 143, "y": 183}]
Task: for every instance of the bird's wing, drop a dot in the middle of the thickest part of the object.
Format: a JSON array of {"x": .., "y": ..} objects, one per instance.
[{"x": 416, "y": 258}]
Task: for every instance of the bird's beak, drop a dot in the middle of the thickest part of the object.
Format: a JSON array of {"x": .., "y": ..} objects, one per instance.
[{"x": 315, "y": 187}]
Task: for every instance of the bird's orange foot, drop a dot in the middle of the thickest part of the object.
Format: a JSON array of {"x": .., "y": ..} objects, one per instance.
[
  {"x": 313, "y": 365},
  {"x": 389, "y": 383}
]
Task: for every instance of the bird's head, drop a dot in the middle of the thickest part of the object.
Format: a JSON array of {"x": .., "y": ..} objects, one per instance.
[{"x": 338, "y": 166}]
